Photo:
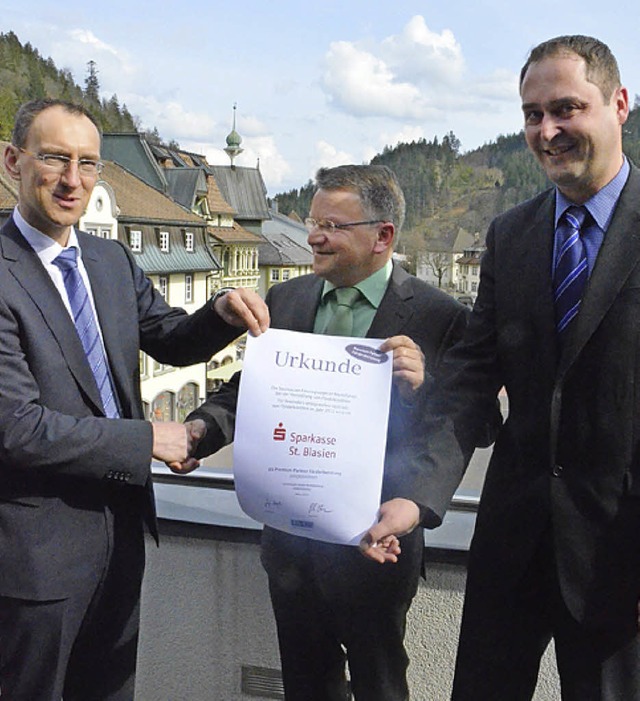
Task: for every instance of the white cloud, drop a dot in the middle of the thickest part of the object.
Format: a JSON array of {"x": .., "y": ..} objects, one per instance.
[
  {"x": 273, "y": 166},
  {"x": 423, "y": 56},
  {"x": 406, "y": 135},
  {"x": 260, "y": 151},
  {"x": 365, "y": 85},
  {"x": 171, "y": 118},
  {"x": 328, "y": 156},
  {"x": 74, "y": 49},
  {"x": 500, "y": 85},
  {"x": 417, "y": 75}
]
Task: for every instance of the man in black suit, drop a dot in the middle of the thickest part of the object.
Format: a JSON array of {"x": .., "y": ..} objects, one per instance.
[
  {"x": 556, "y": 550},
  {"x": 328, "y": 598},
  {"x": 75, "y": 482}
]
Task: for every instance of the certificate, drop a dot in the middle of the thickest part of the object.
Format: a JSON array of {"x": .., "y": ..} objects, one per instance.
[{"x": 311, "y": 432}]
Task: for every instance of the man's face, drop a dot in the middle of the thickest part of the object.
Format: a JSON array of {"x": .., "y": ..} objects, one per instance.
[
  {"x": 347, "y": 256},
  {"x": 52, "y": 202},
  {"x": 575, "y": 136}
]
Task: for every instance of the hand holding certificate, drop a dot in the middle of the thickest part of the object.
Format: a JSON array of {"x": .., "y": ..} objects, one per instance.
[{"x": 311, "y": 430}]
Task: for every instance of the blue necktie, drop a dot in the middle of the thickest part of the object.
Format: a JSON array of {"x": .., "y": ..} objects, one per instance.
[
  {"x": 87, "y": 328},
  {"x": 571, "y": 273}
]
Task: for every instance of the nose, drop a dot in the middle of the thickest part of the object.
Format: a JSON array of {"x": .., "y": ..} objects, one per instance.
[
  {"x": 316, "y": 236},
  {"x": 71, "y": 174},
  {"x": 548, "y": 127}
]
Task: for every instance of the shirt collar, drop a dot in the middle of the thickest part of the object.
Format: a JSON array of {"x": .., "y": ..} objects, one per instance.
[
  {"x": 602, "y": 205},
  {"x": 45, "y": 247},
  {"x": 372, "y": 287}
]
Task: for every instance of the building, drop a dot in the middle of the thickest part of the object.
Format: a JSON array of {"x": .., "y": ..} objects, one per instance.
[
  {"x": 437, "y": 264},
  {"x": 468, "y": 270},
  {"x": 284, "y": 252}
]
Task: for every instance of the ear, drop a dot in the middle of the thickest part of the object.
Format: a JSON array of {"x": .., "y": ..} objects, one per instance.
[
  {"x": 621, "y": 98},
  {"x": 386, "y": 235},
  {"x": 11, "y": 164}
]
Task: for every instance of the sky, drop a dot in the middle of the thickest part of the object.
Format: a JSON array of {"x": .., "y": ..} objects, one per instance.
[{"x": 315, "y": 84}]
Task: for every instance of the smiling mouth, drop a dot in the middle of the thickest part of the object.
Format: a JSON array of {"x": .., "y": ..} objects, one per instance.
[{"x": 557, "y": 151}]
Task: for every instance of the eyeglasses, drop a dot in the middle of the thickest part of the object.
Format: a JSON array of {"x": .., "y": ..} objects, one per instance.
[
  {"x": 328, "y": 225},
  {"x": 59, "y": 164}
]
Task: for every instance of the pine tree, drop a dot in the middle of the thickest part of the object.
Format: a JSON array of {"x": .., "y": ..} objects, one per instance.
[{"x": 91, "y": 85}]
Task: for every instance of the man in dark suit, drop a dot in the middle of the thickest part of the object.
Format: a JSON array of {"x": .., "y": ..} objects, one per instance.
[
  {"x": 75, "y": 483},
  {"x": 556, "y": 550},
  {"x": 328, "y": 598}
]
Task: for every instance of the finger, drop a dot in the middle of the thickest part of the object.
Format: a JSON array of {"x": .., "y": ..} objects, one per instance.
[
  {"x": 184, "y": 467},
  {"x": 374, "y": 551},
  {"x": 394, "y": 343}
]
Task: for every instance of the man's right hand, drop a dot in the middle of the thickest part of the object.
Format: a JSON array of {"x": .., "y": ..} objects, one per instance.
[{"x": 175, "y": 443}]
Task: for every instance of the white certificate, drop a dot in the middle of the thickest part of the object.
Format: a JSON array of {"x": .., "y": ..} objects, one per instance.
[{"x": 311, "y": 432}]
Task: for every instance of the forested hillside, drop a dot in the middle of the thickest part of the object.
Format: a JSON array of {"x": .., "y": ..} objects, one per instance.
[
  {"x": 25, "y": 75},
  {"x": 447, "y": 191}
]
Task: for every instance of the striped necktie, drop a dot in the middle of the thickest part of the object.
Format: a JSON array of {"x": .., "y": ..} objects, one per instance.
[
  {"x": 341, "y": 323},
  {"x": 87, "y": 328},
  {"x": 570, "y": 273}
]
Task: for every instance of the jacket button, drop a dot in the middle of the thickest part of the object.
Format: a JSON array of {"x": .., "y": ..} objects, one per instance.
[{"x": 557, "y": 470}]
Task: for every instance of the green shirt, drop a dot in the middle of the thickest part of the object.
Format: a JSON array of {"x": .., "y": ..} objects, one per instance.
[{"x": 372, "y": 290}]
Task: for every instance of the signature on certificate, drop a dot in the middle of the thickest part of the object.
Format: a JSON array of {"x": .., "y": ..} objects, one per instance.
[
  {"x": 272, "y": 504},
  {"x": 316, "y": 508}
]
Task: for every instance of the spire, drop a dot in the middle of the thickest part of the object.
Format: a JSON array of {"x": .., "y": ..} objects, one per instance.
[{"x": 233, "y": 140}]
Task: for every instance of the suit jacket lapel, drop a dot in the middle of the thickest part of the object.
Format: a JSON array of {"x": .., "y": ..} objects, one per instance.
[
  {"x": 618, "y": 256},
  {"x": 30, "y": 274},
  {"x": 395, "y": 309},
  {"x": 105, "y": 291},
  {"x": 303, "y": 308}
]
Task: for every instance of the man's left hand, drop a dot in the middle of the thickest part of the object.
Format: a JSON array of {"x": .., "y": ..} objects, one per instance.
[
  {"x": 244, "y": 308},
  {"x": 397, "y": 517},
  {"x": 408, "y": 364}
]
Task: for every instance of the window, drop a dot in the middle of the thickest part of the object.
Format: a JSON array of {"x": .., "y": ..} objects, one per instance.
[
  {"x": 187, "y": 400},
  {"x": 275, "y": 275},
  {"x": 163, "y": 407},
  {"x": 91, "y": 230},
  {"x": 188, "y": 288},
  {"x": 164, "y": 241},
  {"x": 163, "y": 287},
  {"x": 135, "y": 241},
  {"x": 143, "y": 364},
  {"x": 286, "y": 274},
  {"x": 189, "y": 241}
]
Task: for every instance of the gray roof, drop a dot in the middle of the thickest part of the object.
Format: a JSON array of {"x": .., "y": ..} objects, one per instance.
[
  {"x": 177, "y": 260},
  {"x": 281, "y": 224},
  {"x": 279, "y": 249},
  {"x": 243, "y": 189},
  {"x": 133, "y": 152},
  {"x": 185, "y": 184}
]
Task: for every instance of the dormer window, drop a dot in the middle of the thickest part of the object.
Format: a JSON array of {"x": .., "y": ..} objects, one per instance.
[
  {"x": 135, "y": 241},
  {"x": 164, "y": 241},
  {"x": 189, "y": 241}
]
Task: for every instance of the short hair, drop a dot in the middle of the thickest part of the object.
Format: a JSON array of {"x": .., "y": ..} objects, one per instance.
[
  {"x": 601, "y": 65},
  {"x": 28, "y": 111},
  {"x": 377, "y": 186}
]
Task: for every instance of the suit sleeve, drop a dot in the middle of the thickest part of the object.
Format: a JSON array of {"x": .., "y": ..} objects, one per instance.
[
  {"x": 170, "y": 334},
  {"x": 462, "y": 411},
  {"x": 38, "y": 435},
  {"x": 48, "y": 425},
  {"x": 219, "y": 410}
]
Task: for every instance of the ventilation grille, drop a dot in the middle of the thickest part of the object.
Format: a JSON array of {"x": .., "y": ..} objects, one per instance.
[{"x": 262, "y": 681}]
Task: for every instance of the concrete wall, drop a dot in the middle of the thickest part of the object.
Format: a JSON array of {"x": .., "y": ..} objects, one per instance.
[{"x": 206, "y": 613}]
